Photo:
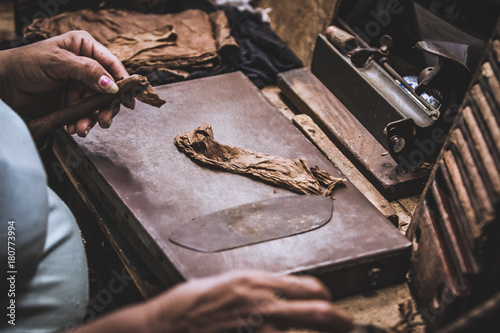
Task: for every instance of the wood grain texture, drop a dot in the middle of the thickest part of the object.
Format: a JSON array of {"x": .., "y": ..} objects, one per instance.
[
  {"x": 480, "y": 194},
  {"x": 482, "y": 147},
  {"x": 316, "y": 135},
  {"x": 311, "y": 97},
  {"x": 152, "y": 188}
]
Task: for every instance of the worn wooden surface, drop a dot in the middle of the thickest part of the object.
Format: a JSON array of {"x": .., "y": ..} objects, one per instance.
[
  {"x": 299, "y": 22},
  {"x": 311, "y": 97},
  {"x": 154, "y": 188},
  {"x": 316, "y": 135},
  {"x": 403, "y": 207},
  {"x": 274, "y": 95},
  {"x": 145, "y": 281}
]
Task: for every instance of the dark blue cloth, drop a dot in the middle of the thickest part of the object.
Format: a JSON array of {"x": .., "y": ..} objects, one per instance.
[{"x": 262, "y": 53}]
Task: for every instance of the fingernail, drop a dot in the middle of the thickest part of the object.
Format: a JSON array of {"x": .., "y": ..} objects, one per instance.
[
  {"x": 109, "y": 122},
  {"x": 107, "y": 85},
  {"x": 86, "y": 132}
]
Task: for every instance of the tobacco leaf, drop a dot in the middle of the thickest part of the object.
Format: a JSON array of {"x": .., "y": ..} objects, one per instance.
[{"x": 293, "y": 174}]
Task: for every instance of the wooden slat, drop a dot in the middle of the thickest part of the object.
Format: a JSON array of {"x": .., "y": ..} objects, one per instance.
[
  {"x": 477, "y": 182},
  {"x": 488, "y": 73},
  {"x": 482, "y": 148},
  {"x": 458, "y": 182},
  {"x": 487, "y": 113}
]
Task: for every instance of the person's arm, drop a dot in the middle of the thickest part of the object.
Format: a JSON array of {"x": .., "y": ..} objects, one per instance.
[
  {"x": 240, "y": 301},
  {"x": 39, "y": 78}
]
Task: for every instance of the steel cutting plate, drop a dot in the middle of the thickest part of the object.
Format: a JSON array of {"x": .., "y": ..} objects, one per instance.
[{"x": 253, "y": 223}]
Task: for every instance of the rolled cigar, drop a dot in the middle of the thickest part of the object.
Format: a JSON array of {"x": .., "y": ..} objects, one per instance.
[
  {"x": 136, "y": 86},
  {"x": 343, "y": 40}
]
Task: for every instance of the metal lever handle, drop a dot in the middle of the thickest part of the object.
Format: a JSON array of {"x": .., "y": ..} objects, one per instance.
[{"x": 360, "y": 56}]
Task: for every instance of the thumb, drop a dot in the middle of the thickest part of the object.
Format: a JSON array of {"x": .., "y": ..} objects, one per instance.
[{"x": 92, "y": 74}]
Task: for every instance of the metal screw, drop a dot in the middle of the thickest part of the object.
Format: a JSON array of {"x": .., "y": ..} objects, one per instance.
[
  {"x": 374, "y": 276},
  {"x": 397, "y": 144}
]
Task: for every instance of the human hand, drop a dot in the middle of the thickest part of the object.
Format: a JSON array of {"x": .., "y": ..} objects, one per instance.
[
  {"x": 246, "y": 301},
  {"x": 39, "y": 78}
]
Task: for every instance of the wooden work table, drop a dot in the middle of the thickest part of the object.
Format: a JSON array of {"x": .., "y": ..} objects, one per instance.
[{"x": 379, "y": 306}]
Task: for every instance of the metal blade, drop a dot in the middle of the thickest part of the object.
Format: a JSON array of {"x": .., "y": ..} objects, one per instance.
[{"x": 253, "y": 223}]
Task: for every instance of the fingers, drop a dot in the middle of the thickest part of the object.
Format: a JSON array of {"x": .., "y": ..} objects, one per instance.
[
  {"x": 83, "y": 126},
  {"x": 92, "y": 49},
  {"x": 300, "y": 287},
  {"x": 244, "y": 301},
  {"x": 105, "y": 117},
  {"x": 90, "y": 62},
  {"x": 297, "y": 301},
  {"x": 75, "y": 91},
  {"x": 317, "y": 315},
  {"x": 81, "y": 43},
  {"x": 288, "y": 286},
  {"x": 91, "y": 73}
]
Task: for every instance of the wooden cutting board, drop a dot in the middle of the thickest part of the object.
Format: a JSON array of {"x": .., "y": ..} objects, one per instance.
[{"x": 150, "y": 189}]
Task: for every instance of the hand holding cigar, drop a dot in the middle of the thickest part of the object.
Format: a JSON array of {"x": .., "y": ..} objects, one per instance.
[
  {"x": 135, "y": 86},
  {"x": 71, "y": 73}
]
